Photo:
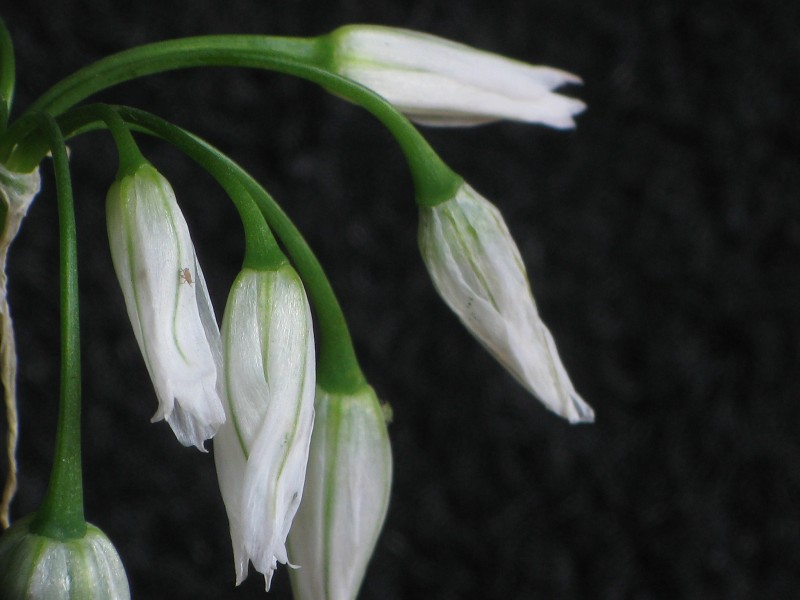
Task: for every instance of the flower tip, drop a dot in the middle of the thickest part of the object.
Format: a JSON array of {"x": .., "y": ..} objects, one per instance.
[{"x": 578, "y": 411}]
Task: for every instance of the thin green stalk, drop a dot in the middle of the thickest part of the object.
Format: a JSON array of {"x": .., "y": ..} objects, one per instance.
[
  {"x": 261, "y": 248},
  {"x": 61, "y": 513},
  {"x": 304, "y": 58},
  {"x": 130, "y": 157},
  {"x": 7, "y": 75}
]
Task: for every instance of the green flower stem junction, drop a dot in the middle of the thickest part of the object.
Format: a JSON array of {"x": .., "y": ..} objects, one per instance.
[{"x": 261, "y": 248}]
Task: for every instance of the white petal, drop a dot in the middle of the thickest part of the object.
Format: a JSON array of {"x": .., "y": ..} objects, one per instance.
[
  {"x": 269, "y": 389},
  {"x": 476, "y": 267},
  {"x": 345, "y": 497},
  {"x": 439, "y": 82},
  {"x": 172, "y": 318}
]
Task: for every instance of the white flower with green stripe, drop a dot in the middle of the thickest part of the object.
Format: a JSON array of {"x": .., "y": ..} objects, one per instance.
[
  {"x": 167, "y": 301},
  {"x": 477, "y": 269},
  {"x": 269, "y": 379},
  {"x": 40, "y": 567},
  {"x": 346, "y": 496}
]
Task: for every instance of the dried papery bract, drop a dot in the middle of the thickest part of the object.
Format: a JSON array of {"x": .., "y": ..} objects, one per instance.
[
  {"x": 477, "y": 269},
  {"x": 262, "y": 450},
  {"x": 17, "y": 191},
  {"x": 173, "y": 322}
]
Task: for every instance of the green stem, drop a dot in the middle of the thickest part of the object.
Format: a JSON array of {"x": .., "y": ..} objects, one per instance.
[
  {"x": 7, "y": 75},
  {"x": 61, "y": 513},
  {"x": 261, "y": 249},
  {"x": 130, "y": 157},
  {"x": 305, "y": 58}
]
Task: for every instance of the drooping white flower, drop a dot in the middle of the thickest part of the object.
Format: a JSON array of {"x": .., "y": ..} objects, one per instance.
[
  {"x": 262, "y": 450},
  {"x": 477, "y": 269},
  {"x": 438, "y": 82},
  {"x": 36, "y": 566},
  {"x": 345, "y": 498},
  {"x": 167, "y": 301}
]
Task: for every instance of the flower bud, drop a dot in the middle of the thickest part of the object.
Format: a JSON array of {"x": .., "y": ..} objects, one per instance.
[
  {"x": 262, "y": 450},
  {"x": 167, "y": 301},
  {"x": 477, "y": 269},
  {"x": 345, "y": 499},
  {"x": 35, "y": 567},
  {"x": 438, "y": 82}
]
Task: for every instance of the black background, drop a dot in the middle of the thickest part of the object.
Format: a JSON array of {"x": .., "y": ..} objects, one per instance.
[{"x": 661, "y": 239}]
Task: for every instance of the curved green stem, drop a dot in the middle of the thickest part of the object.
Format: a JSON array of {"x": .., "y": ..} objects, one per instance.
[
  {"x": 7, "y": 75},
  {"x": 305, "y": 58},
  {"x": 61, "y": 513},
  {"x": 338, "y": 370},
  {"x": 130, "y": 157},
  {"x": 261, "y": 249}
]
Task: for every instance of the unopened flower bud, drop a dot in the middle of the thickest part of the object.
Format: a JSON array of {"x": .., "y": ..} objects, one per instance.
[
  {"x": 36, "y": 567},
  {"x": 345, "y": 499},
  {"x": 477, "y": 269},
  {"x": 438, "y": 82}
]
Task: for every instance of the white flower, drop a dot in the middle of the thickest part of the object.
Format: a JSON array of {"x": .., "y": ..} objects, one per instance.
[
  {"x": 477, "y": 269},
  {"x": 167, "y": 302},
  {"x": 262, "y": 450},
  {"x": 35, "y": 566},
  {"x": 438, "y": 82},
  {"x": 345, "y": 499}
]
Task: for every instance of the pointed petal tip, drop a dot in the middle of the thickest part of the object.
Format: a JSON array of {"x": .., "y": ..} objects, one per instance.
[{"x": 578, "y": 411}]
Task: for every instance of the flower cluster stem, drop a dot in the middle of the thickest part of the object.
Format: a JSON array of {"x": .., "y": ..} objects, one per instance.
[
  {"x": 306, "y": 58},
  {"x": 61, "y": 514}
]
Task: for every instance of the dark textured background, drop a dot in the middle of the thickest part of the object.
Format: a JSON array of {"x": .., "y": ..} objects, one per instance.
[{"x": 661, "y": 238}]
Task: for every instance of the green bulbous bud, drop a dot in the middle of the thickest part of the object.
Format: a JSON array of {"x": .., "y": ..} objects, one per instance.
[{"x": 36, "y": 567}]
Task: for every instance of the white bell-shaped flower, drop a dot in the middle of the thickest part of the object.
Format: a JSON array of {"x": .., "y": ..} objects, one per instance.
[
  {"x": 269, "y": 378},
  {"x": 167, "y": 301},
  {"x": 36, "y": 566},
  {"x": 477, "y": 269},
  {"x": 435, "y": 81},
  {"x": 345, "y": 498}
]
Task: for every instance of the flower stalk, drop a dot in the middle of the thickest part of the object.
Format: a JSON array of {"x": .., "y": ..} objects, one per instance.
[
  {"x": 61, "y": 514},
  {"x": 306, "y": 58}
]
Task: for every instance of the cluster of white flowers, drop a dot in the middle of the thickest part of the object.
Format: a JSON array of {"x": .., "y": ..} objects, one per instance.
[{"x": 323, "y": 481}]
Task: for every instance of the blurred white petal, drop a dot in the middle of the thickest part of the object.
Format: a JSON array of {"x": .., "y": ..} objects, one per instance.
[{"x": 438, "y": 82}]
